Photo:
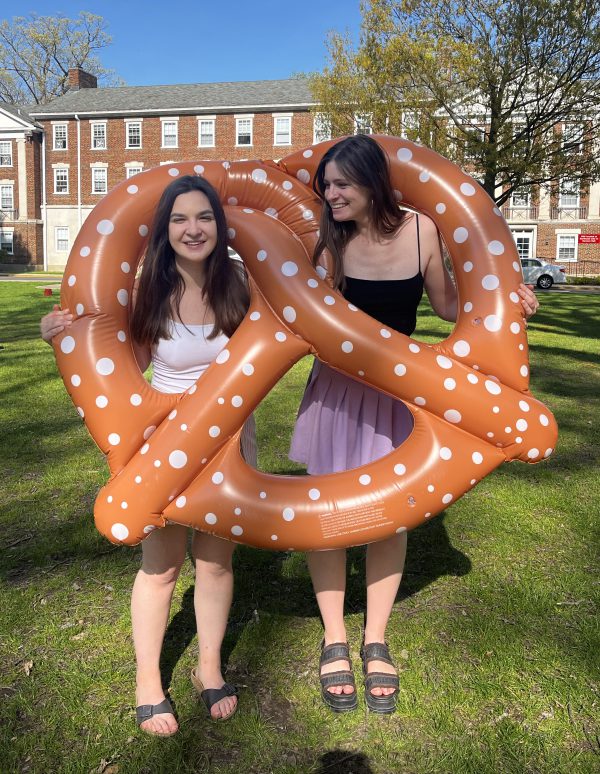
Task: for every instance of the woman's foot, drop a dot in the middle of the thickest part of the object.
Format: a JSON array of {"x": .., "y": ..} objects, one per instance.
[
  {"x": 383, "y": 667},
  {"x": 338, "y": 688},
  {"x": 158, "y": 723},
  {"x": 381, "y": 677},
  {"x": 327, "y": 667},
  {"x": 209, "y": 683}
]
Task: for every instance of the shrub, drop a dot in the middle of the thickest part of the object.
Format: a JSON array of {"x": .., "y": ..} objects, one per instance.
[{"x": 583, "y": 280}]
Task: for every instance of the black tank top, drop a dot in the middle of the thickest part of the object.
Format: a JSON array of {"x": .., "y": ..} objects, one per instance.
[{"x": 392, "y": 302}]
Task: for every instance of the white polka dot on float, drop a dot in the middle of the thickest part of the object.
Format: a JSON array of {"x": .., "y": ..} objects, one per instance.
[
  {"x": 490, "y": 282},
  {"x": 461, "y": 235},
  {"x": 289, "y": 269},
  {"x": 178, "y": 459},
  {"x": 217, "y": 478},
  {"x": 105, "y": 366},
  {"x": 453, "y": 416},
  {"x": 67, "y": 345},
  {"x": 119, "y": 531},
  {"x": 492, "y": 323},
  {"x": 288, "y": 514},
  {"x": 105, "y": 227},
  {"x": 289, "y": 314},
  {"x": 445, "y": 453}
]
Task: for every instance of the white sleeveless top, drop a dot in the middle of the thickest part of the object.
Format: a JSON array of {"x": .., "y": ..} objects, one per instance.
[{"x": 179, "y": 361}]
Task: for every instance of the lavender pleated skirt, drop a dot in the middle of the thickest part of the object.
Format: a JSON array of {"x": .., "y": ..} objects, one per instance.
[{"x": 343, "y": 424}]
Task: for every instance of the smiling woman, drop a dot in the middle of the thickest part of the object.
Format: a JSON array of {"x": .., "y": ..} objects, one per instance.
[{"x": 190, "y": 298}]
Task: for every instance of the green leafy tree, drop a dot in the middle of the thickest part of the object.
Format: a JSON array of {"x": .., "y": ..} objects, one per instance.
[
  {"x": 36, "y": 53},
  {"x": 508, "y": 89}
]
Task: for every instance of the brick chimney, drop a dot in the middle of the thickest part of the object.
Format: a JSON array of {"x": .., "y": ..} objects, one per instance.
[{"x": 79, "y": 79}]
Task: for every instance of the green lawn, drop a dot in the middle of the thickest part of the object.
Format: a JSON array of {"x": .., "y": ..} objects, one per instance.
[{"x": 495, "y": 629}]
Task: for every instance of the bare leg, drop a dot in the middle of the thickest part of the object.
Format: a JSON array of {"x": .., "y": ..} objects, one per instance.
[
  {"x": 163, "y": 553},
  {"x": 328, "y": 575},
  {"x": 385, "y": 563},
  {"x": 212, "y": 601}
]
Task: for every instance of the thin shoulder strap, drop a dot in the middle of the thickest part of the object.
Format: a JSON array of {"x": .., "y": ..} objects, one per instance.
[{"x": 418, "y": 242}]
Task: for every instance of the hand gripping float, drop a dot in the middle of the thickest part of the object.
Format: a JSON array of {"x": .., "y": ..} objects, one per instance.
[{"x": 176, "y": 457}]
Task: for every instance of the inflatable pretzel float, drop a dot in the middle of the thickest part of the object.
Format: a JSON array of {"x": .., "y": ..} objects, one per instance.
[{"x": 176, "y": 458}]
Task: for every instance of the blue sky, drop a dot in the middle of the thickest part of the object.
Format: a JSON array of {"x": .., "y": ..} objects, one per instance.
[{"x": 209, "y": 40}]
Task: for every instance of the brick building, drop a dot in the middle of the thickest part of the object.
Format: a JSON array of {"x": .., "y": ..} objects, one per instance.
[
  {"x": 21, "y": 140},
  {"x": 94, "y": 138},
  {"x": 59, "y": 159}
]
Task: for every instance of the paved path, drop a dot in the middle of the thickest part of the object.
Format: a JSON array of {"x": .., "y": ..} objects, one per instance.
[{"x": 54, "y": 280}]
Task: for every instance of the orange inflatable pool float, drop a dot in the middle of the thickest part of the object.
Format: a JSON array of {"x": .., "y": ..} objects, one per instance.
[{"x": 176, "y": 458}]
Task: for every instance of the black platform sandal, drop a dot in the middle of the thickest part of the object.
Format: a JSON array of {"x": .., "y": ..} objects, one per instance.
[
  {"x": 382, "y": 705},
  {"x": 338, "y": 702}
]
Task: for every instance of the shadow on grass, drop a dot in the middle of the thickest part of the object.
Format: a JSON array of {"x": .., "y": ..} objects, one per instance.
[
  {"x": 265, "y": 584},
  {"x": 344, "y": 762}
]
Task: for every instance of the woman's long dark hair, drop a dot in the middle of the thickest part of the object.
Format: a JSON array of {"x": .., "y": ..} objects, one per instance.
[
  {"x": 161, "y": 287},
  {"x": 363, "y": 162}
]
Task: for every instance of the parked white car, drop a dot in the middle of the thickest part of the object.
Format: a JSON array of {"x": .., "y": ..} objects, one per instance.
[{"x": 542, "y": 274}]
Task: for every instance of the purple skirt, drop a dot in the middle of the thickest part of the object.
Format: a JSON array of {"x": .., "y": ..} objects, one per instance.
[{"x": 343, "y": 423}]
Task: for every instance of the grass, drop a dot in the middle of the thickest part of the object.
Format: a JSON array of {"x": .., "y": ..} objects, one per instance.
[{"x": 495, "y": 628}]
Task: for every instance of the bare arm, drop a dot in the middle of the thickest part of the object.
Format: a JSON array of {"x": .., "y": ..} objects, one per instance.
[
  {"x": 440, "y": 286},
  {"x": 58, "y": 319}
]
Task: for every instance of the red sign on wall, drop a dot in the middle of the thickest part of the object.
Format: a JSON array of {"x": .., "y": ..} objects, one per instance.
[{"x": 589, "y": 239}]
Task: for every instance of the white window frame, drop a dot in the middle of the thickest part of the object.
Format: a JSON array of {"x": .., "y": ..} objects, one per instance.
[
  {"x": 569, "y": 194},
  {"x": 4, "y": 233},
  {"x": 321, "y": 128},
  {"x": 560, "y": 237},
  {"x": 59, "y": 171},
  {"x": 212, "y": 120},
  {"x": 6, "y": 155},
  {"x": 131, "y": 170},
  {"x": 572, "y": 133},
  {"x": 94, "y": 125},
  {"x": 284, "y": 134},
  {"x": 61, "y": 234},
  {"x": 96, "y": 168},
  {"x": 129, "y": 124},
  {"x": 164, "y": 122},
  {"x": 363, "y": 123},
  {"x": 5, "y": 188},
  {"x": 246, "y": 118},
  {"x": 520, "y": 193},
  {"x": 55, "y": 128}
]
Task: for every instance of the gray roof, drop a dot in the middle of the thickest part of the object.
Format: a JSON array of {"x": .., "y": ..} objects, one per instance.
[
  {"x": 22, "y": 112},
  {"x": 182, "y": 98}
]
